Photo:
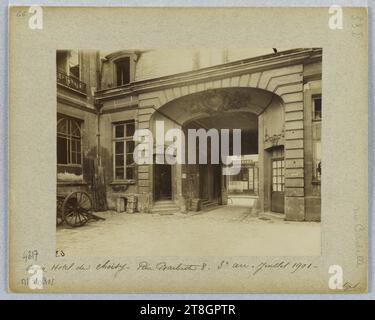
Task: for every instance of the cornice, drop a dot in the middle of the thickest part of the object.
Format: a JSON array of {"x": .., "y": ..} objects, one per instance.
[
  {"x": 74, "y": 103},
  {"x": 236, "y": 68}
]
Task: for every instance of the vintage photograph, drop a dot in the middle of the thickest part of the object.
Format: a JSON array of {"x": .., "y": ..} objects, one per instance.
[
  {"x": 186, "y": 150},
  {"x": 189, "y": 152}
]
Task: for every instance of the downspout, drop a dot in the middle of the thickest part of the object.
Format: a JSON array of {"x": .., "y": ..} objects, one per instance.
[{"x": 98, "y": 106}]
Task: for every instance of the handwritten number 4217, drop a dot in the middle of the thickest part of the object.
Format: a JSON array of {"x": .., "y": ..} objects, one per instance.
[
  {"x": 22, "y": 13},
  {"x": 35, "y": 14}
]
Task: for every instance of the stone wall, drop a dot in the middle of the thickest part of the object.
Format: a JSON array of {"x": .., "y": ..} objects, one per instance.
[
  {"x": 114, "y": 189},
  {"x": 312, "y": 132},
  {"x": 74, "y": 105},
  {"x": 164, "y": 62}
]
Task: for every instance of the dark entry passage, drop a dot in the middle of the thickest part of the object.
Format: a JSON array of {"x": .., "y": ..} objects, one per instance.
[{"x": 163, "y": 182}]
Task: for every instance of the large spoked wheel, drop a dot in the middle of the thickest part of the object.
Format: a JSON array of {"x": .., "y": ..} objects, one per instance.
[{"x": 76, "y": 209}]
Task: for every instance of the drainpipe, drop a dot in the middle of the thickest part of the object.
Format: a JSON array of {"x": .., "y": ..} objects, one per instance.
[
  {"x": 99, "y": 174},
  {"x": 98, "y": 106}
]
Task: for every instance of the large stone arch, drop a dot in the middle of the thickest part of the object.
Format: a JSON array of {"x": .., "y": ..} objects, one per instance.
[{"x": 285, "y": 82}]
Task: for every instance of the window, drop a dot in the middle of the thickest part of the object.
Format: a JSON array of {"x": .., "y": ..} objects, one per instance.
[
  {"x": 316, "y": 139},
  {"x": 69, "y": 142},
  {"x": 245, "y": 174},
  {"x": 123, "y": 148},
  {"x": 278, "y": 175},
  {"x": 73, "y": 61},
  {"x": 317, "y": 161},
  {"x": 317, "y": 108},
  {"x": 123, "y": 71},
  {"x": 74, "y": 71}
]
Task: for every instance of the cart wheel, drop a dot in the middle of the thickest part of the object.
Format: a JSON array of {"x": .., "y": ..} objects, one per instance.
[{"x": 76, "y": 209}]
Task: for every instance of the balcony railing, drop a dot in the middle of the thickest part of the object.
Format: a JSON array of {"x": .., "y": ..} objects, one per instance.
[{"x": 71, "y": 82}]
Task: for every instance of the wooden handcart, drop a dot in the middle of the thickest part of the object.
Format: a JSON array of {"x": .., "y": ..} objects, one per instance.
[{"x": 75, "y": 209}]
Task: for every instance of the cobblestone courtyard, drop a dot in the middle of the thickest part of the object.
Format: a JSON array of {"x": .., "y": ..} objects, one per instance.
[{"x": 225, "y": 231}]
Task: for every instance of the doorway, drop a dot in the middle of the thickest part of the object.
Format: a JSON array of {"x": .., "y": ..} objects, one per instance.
[
  {"x": 162, "y": 182},
  {"x": 210, "y": 182},
  {"x": 277, "y": 185}
]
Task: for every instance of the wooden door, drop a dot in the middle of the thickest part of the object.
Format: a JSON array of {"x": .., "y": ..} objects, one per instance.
[
  {"x": 163, "y": 182},
  {"x": 277, "y": 192}
]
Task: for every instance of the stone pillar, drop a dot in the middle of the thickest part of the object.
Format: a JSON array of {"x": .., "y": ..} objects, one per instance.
[
  {"x": 144, "y": 203},
  {"x": 264, "y": 163},
  {"x": 224, "y": 185},
  {"x": 144, "y": 190},
  {"x": 267, "y": 179},
  {"x": 294, "y": 157},
  {"x": 145, "y": 172},
  {"x": 89, "y": 64},
  {"x": 261, "y": 162},
  {"x": 177, "y": 182},
  {"x": 183, "y": 204}
]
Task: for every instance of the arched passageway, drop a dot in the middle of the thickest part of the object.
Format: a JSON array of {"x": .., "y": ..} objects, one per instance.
[{"x": 200, "y": 185}]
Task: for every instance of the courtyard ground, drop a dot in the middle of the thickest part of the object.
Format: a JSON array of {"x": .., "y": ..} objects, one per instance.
[{"x": 224, "y": 231}]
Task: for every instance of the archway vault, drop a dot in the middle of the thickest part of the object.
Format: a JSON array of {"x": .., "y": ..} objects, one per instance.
[
  {"x": 214, "y": 102},
  {"x": 281, "y": 81}
]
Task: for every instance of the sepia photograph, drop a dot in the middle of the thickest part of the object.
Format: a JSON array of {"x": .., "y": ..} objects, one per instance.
[
  {"x": 186, "y": 150},
  {"x": 189, "y": 152}
]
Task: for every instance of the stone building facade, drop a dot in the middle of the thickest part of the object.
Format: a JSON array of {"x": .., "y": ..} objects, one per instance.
[{"x": 274, "y": 98}]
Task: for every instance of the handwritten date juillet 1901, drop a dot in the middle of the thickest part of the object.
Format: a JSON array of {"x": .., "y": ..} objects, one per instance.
[
  {"x": 164, "y": 266},
  {"x": 291, "y": 266}
]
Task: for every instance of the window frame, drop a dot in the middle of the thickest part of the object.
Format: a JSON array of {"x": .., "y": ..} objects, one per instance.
[
  {"x": 117, "y": 62},
  {"x": 69, "y": 137},
  {"x": 280, "y": 175},
  {"x": 124, "y": 139},
  {"x": 112, "y": 58},
  {"x": 313, "y": 98},
  {"x": 316, "y": 178}
]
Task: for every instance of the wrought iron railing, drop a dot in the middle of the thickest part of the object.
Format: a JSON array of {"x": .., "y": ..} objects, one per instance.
[{"x": 71, "y": 82}]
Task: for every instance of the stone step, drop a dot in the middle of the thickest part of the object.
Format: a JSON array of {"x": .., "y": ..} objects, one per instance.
[
  {"x": 165, "y": 207},
  {"x": 163, "y": 202},
  {"x": 165, "y": 212}
]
